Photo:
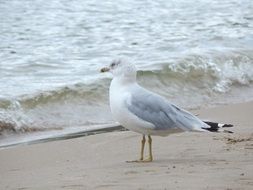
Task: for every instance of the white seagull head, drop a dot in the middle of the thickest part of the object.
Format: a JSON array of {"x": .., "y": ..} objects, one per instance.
[{"x": 121, "y": 69}]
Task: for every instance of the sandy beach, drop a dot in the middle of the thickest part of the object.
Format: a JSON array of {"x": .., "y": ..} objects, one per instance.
[{"x": 182, "y": 161}]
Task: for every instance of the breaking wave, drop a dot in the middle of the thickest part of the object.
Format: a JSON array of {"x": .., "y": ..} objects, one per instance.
[
  {"x": 214, "y": 73},
  {"x": 74, "y": 105}
]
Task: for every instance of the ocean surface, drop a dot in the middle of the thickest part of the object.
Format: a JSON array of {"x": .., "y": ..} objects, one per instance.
[{"x": 196, "y": 53}]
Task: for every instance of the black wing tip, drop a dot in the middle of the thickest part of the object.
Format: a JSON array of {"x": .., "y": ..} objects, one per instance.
[
  {"x": 228, "y": 125},
  {"x": 215, "y": 124},
  {"x": 216, "y": 127},
  {"x": 211, "y": 129}
]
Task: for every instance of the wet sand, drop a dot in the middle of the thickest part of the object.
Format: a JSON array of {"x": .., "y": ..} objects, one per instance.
[{"x": 182, "y": 161}]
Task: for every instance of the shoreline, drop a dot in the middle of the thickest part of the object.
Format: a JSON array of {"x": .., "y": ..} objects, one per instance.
[
  {"x": 19, "y": 139},
  {"x": 181, "y": 161},
  {"x": 43, "y": 137}
]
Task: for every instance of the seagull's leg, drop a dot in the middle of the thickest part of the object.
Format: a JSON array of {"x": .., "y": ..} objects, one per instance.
[
  {"x": 150, "y": 158},
  {"x": 143, "y": 141},
  {"x": 142, "y": 147}
]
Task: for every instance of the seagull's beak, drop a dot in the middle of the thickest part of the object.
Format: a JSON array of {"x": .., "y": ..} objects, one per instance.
[{"x": 105, "y": 69}]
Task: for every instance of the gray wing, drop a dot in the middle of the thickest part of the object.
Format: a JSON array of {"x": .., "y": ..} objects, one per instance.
[{"x": 158, "y": 111}]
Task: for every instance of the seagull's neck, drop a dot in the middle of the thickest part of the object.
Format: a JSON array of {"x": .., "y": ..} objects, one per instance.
[{"x": 123, "y": 81}]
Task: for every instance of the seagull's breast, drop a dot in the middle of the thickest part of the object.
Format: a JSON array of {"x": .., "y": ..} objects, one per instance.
[{"x": 119, "y": 95}]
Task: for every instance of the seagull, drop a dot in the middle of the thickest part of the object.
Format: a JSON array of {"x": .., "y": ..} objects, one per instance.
[{"x": 146, "y": 112}]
